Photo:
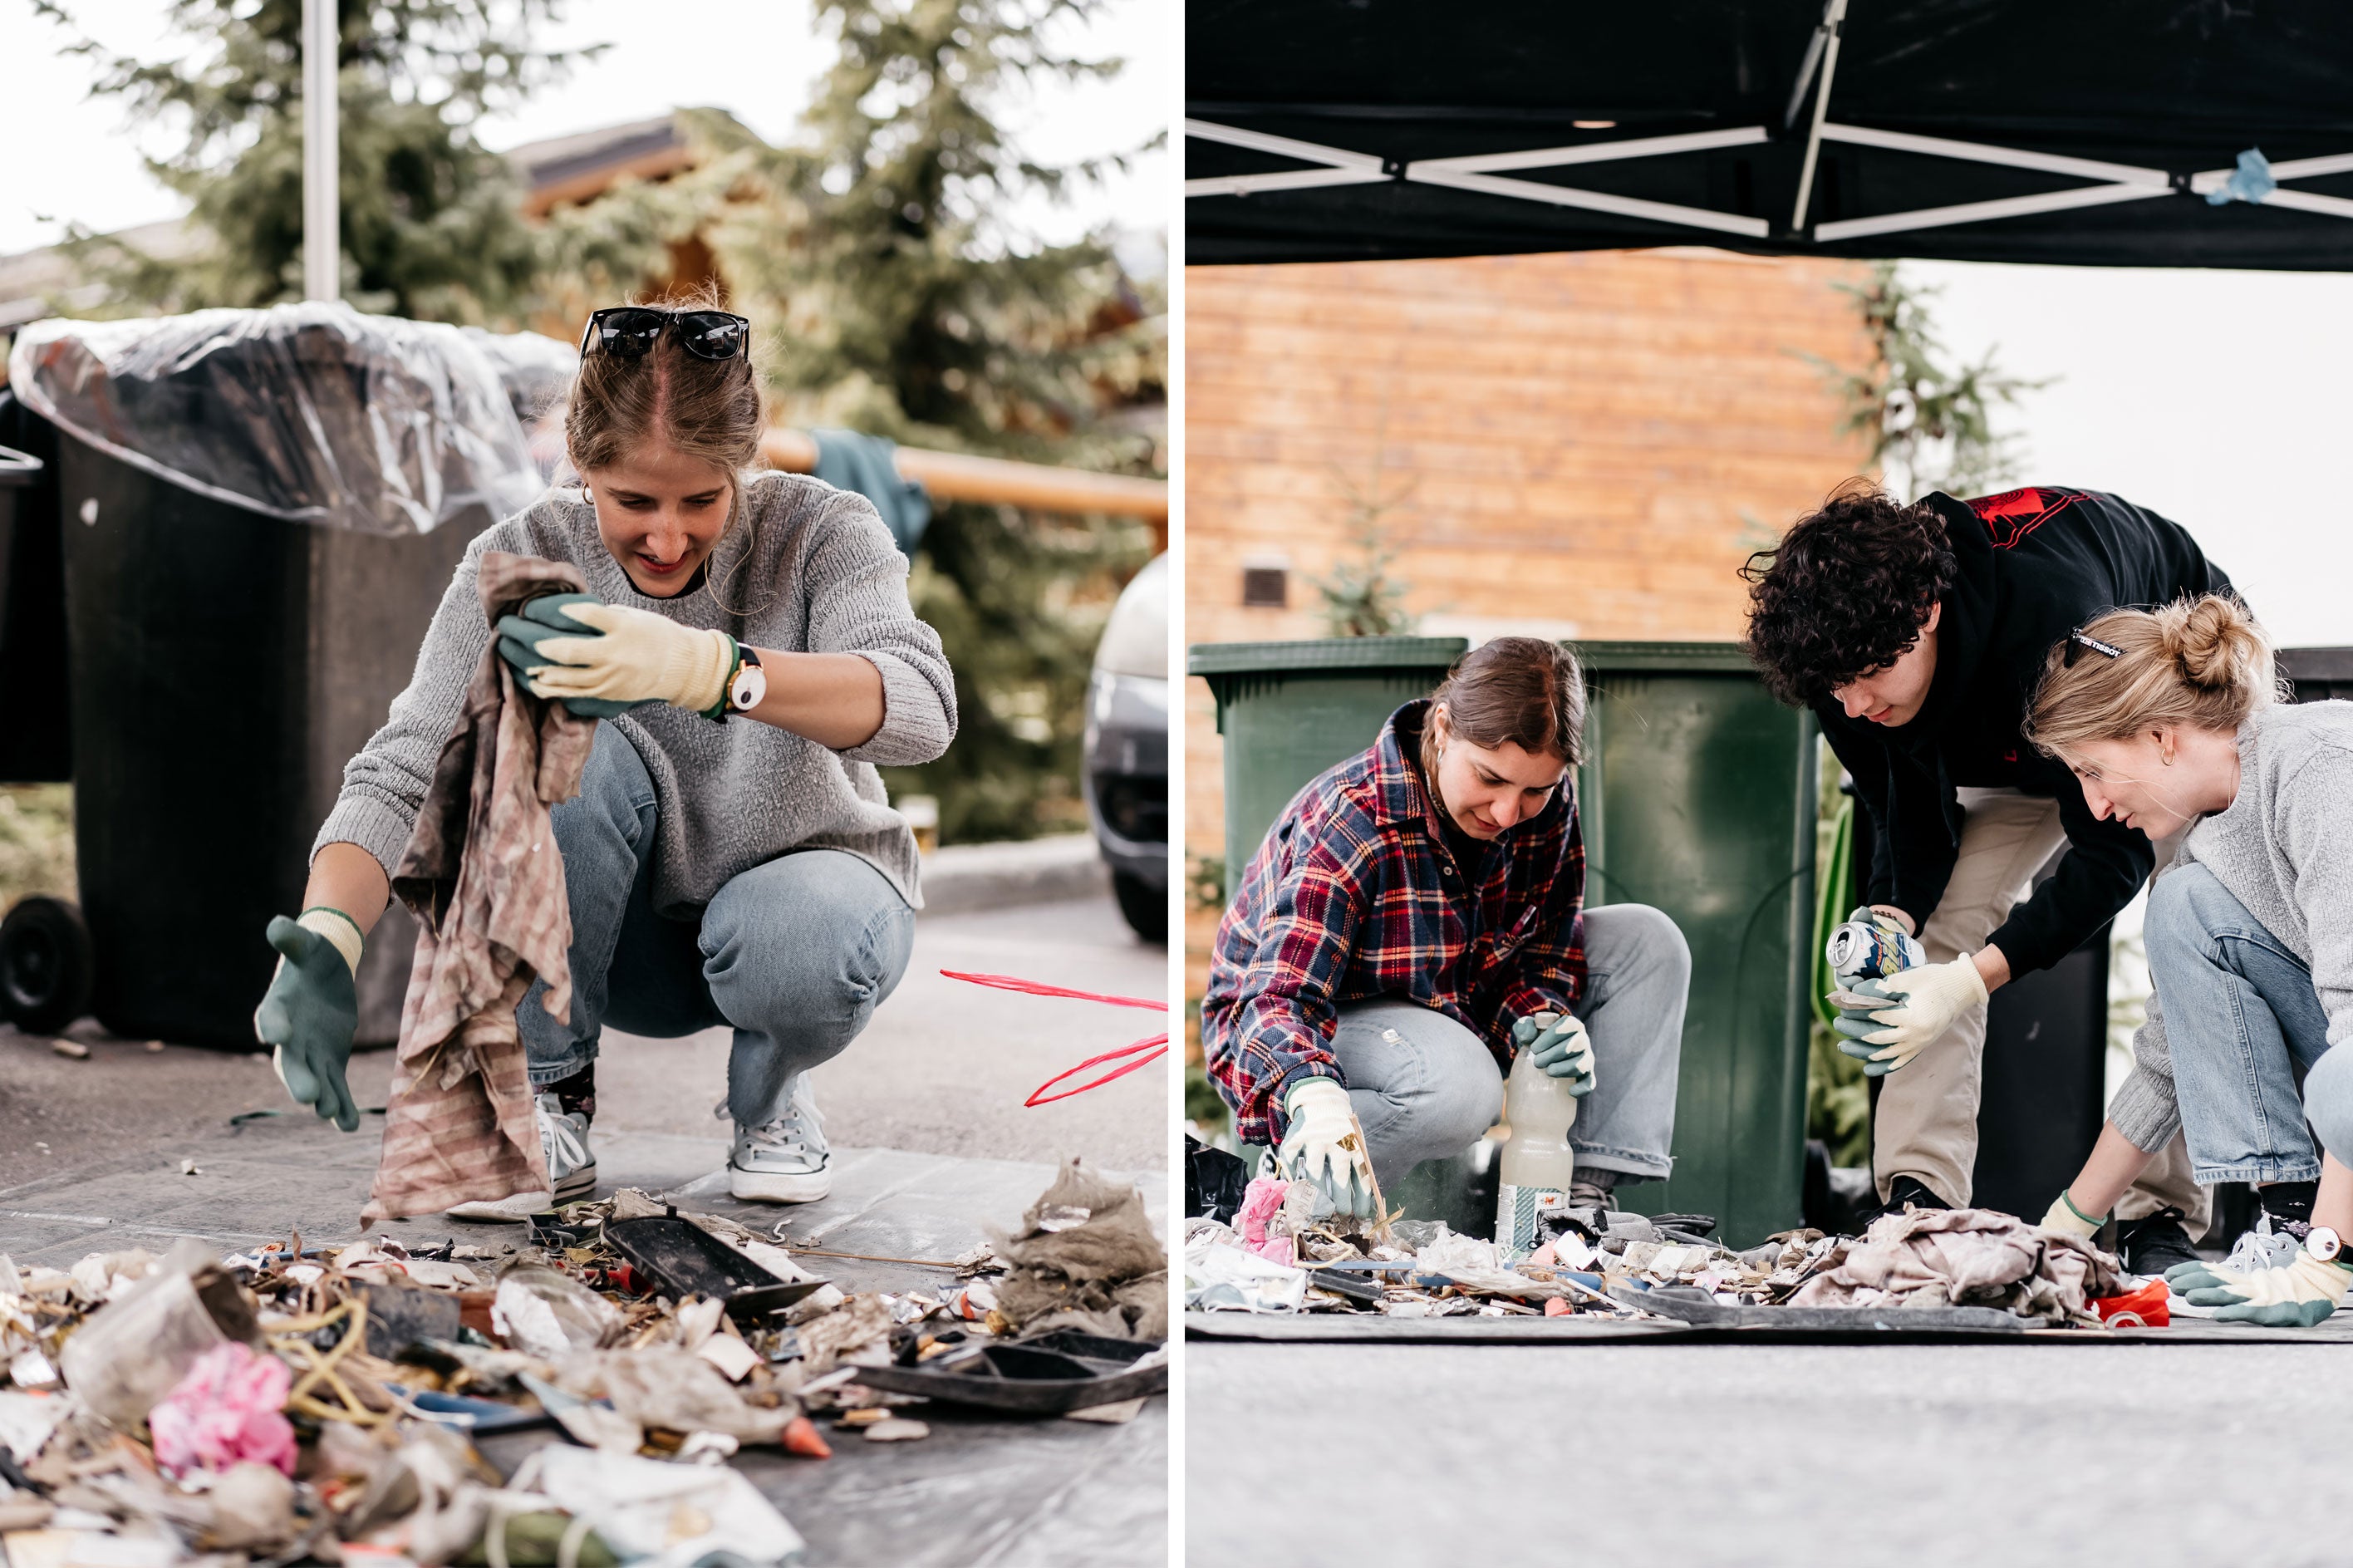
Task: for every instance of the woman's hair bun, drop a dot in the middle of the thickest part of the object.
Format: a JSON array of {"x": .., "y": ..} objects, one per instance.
[{"x": 2216, "y": 641}]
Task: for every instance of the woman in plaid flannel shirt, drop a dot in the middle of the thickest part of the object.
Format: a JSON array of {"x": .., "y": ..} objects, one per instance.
[{"x": 1414, "y": 917}]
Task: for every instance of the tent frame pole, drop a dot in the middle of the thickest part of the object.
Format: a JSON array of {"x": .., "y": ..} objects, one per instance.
[{"x": 1834, "y": 24}]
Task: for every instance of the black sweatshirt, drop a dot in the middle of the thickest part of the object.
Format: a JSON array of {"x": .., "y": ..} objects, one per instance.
[{"x": 2035, "y": 564}]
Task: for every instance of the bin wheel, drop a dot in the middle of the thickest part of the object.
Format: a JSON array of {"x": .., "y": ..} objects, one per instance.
[
  {"x": 47, "y": 965},
  {"x": 1144, "y": 905}
]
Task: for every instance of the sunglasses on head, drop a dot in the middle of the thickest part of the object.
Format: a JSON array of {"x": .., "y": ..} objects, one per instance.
[
  {"x": 628, "y": 332},
  {"x": 2077, "y": 641}
]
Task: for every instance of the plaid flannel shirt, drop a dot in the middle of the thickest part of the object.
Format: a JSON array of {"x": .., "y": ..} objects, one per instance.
[{"x": 1355, "y": 894}]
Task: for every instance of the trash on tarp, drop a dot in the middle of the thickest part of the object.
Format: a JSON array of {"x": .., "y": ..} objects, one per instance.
[
  {"x": 1085, "y": 1257},
  {"x": 667, "y": 1515},
  {"x": 225, "y": 1412}
]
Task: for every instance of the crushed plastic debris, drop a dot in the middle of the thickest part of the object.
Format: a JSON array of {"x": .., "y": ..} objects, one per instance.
[{"x": 293, "y": 1403}]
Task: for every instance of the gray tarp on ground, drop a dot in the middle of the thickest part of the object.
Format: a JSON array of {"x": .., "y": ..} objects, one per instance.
[{"x": 312, "y": 413}]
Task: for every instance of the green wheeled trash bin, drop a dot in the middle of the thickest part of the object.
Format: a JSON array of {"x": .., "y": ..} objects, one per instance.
[{"x": 1697, "y": 797}]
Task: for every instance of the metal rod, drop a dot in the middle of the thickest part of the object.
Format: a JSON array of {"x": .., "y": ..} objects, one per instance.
[
  {"x": 1287, "y": 180},
  {"x": 1980, "y": 211},
  {"x": 1282, "y": 146},
  {"x": 1834, "y": 24},
  {"x": 1595, "y": 201},
  {"x": 321, "y": 198},
  {"x": 1596, "y": 151},
  {"x": 2310, "y": 201},
  {"x": 2008, "y": 157},
  {"x": 1806, "y": 67},
  {"x": 2293, "y": 169}
]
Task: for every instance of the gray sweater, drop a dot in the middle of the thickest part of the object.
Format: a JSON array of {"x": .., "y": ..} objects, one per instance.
[
  {"x": 822, "y": 576},
  {"x": 2284, "y": 848}
]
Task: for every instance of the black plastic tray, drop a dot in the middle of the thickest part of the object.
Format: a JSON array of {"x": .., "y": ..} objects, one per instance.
[
  {"x": 1052, "y": 1375},
  {"x": 679, "y": 1259}
]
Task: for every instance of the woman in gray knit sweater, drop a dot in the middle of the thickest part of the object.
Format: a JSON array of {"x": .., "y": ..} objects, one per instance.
[
  {"x": 2168, "y": 718},
  {"x": 732, "y": 858}
]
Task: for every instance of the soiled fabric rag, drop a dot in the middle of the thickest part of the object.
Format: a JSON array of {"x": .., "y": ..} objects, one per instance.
[
  {"x": 1968, "y": 1257},
  {"x": 483, "y": 877}
]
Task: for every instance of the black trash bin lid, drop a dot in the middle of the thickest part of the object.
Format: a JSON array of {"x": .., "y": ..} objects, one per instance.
[{"x": 18, "y": 468}]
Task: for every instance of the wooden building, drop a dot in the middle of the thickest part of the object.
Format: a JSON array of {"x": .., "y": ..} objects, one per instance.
[{"x": 1582, "y": 445}]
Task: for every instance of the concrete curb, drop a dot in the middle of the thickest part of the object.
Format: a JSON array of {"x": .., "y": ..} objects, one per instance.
[{"x": 962, "y": 878}]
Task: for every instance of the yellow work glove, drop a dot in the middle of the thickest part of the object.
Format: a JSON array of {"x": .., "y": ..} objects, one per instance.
[
  {"x": 1922, "y": 1004},
  {"x": 2064, "y": 1216},
  {"x": 1324, "y": 1144},
  {"x": 639, "y": 657}
]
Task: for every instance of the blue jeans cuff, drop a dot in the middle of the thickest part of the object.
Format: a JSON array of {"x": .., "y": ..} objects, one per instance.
[{"x": 2208, "y": 1175}]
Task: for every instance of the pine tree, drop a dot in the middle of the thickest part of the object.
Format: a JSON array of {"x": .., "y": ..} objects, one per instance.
[{"x": 431, "y": 226}]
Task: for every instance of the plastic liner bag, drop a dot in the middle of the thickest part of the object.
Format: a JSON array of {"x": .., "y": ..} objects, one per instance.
[{"x": 310, "y": 413}]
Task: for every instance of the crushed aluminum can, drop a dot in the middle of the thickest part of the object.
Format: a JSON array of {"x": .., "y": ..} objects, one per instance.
[{"x": 1861, "y": 951}]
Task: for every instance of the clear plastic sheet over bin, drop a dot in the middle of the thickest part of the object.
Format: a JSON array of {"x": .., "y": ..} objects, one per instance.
[{"x": 310, "y": 413}]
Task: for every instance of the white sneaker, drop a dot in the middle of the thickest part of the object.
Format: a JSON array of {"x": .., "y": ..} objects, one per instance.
[
  {"x": 783, "y": 1159},
  {"x": 570, "y": 1165}
]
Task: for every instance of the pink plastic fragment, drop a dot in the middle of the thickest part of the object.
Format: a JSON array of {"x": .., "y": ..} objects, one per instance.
[
  {"x": 226, "y": 1410},
  {"x": 1261, "y": 1200}
]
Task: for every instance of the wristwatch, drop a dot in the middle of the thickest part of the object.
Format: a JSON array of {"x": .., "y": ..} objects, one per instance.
[
  {"x": 749, "y": 687},
  {"x": 2325, "y": 1244}
]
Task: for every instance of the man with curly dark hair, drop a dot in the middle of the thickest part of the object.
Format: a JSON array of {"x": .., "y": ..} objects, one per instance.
[{"x": 1916, "y": 634}]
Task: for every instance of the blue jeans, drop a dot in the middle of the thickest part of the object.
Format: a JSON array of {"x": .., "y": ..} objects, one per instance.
[
  {"x": 1424, "y": 1087},
  {"x": 2241, "y": 1016},
  {"x": 794, "y": 954}
]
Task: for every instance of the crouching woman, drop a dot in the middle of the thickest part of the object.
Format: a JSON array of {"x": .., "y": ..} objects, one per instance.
[
  {"x": 2168, "y": 718},
  {"x": 1414, "y": 917}
]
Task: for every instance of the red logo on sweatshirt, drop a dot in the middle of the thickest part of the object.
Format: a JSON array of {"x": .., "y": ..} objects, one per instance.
[{"x": 2014, "y": 513}]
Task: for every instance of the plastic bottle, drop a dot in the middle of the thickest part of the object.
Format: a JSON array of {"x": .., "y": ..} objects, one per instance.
[{"x": 1537, "y": 1162}]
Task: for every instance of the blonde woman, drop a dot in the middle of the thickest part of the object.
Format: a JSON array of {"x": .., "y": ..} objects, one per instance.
[
  {"x": 2167, "y": 717},
  {"x": 732, "y": 860}
]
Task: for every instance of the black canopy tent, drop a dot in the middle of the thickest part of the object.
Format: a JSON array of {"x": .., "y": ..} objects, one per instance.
[{"x": 2169, "y": 132}]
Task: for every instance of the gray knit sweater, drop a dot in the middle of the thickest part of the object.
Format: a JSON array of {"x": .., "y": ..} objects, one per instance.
[
  {"x": 822, "y": 576},
  {"x": 2284, "y": 848}
]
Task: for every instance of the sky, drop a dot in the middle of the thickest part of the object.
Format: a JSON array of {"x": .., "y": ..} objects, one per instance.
[
  {"x": 2213, "y": 397},
  {"x": 755, "y": 59}
]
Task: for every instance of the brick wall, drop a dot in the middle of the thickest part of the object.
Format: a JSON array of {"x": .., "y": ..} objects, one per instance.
[{"x": 1573, "y": 445}]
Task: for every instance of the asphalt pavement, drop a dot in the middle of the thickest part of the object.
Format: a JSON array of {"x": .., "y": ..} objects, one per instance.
[
  {"x": 942, "y": 1069},
  {"x": 1767, "y": 1453}
]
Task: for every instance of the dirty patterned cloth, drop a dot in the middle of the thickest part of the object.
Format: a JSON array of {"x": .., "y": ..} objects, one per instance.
[
  {"x": 482, "y": 876},
  {"x": 1966, "y": 1257}
]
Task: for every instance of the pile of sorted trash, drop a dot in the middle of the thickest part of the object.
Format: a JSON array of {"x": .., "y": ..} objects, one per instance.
[
  {"x": 339, "y": 1403},
  {"x": 1278, "y": 1246}
]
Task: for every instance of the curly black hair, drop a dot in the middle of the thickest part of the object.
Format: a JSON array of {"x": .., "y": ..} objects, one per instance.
[{"x": 1845, "y": 592}]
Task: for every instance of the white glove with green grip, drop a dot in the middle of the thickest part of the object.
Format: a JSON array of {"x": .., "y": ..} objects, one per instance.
[
  {"x": 1561, "y": 1047},
  {"x": 2067, "y": 1218},
  {"x": 1324, "y": 1143},
  {"x": 1922, "y": 1003},
  {"x": 637, "y": 656},
  {"x": 2296, "y": 1295},
  {"x": 311, "y": 1010}
]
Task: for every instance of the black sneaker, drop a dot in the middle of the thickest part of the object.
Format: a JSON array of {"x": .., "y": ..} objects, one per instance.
[
  {"x": 1902, "y": 1192},
  {"x": 2155, "y": 1243}
]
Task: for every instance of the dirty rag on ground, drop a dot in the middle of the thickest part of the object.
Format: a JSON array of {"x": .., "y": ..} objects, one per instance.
[
  {"x": 1966, "y": 1257},
  {"x": 483, "y": 877}
]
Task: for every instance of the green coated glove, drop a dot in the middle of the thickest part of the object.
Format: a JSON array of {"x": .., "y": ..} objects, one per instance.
[
  {"x": 1324, "y": 1143},
  {"x": 520, "y": 637},
  {"x": 1561, "y": 1048},
  {"x": 1920, "y": 1004},
  {"x": 312, "y": 1007},
  {"x": 2295, "y": 1295},
  {"x": 2064, "y": 1217}
]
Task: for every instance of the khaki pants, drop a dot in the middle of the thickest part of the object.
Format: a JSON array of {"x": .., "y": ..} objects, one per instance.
[{"x": 1925, "y": 1126}]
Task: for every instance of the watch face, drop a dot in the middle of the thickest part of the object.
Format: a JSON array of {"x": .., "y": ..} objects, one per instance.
[
  {"x": 750, "y": 689},
  {"x": 2323, "y": 1244}
]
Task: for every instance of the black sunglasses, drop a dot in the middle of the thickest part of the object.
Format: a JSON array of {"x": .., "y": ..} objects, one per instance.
[
  {"x": 2077, "y": 641},
  {"x": 628, "y": 332}
]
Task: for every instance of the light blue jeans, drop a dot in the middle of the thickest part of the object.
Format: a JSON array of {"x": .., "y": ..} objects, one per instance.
[
  {"x": 794, "y": 954},
  {"x": 1424, "y": 1087},
  {"x": 2241, "y": 1016}
]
